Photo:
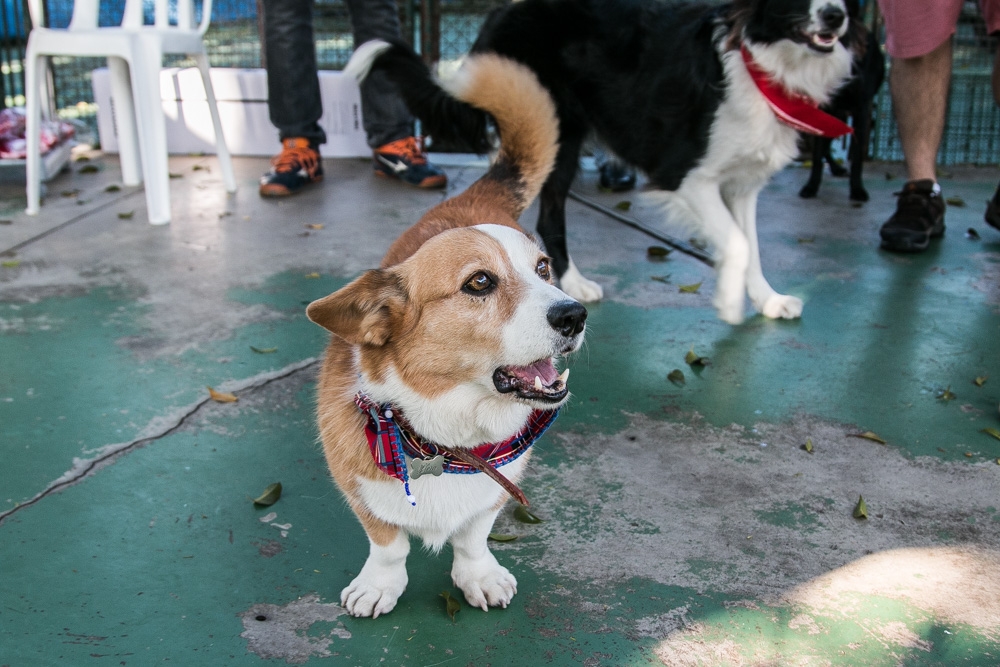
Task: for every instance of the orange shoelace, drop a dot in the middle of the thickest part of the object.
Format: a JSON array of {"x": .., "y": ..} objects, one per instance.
[
  {"x": 296, "y": 154},
  {"x": 409, "y": 148}
]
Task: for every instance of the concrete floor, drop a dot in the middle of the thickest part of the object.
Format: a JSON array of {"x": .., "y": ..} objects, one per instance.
[{"x": 684, "y": 525}]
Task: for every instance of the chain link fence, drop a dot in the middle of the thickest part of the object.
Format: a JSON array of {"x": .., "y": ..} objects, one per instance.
[{"x": 972, "y": 134}]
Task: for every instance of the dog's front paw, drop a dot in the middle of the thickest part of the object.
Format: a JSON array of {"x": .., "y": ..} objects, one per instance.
[
  {"x": 859, "y": 194},
  {"x": 782, "y": 306},
  {"x": 367, "y": 597},
  {"x": 578, "y": 287},
  {"x": 486, "y": 583}
]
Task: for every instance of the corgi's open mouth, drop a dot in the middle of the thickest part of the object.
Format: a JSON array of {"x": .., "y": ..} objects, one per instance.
[{"x": 538, "y": 381}]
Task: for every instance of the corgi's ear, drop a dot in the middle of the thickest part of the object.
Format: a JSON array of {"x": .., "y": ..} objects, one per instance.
[{"x": 363, "y": 312}]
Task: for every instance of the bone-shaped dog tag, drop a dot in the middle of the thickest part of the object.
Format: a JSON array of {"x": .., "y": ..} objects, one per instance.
[{"x": 432, "y": 466}]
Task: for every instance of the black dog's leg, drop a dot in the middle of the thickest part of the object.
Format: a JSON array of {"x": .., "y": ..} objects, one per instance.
[
  {"x": 862, "y": 124},
  {"x": 836, "y": 168},
  {"x": 811, "y": 187}
]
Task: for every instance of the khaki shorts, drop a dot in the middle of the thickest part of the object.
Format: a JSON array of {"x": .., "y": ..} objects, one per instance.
[{"x": 917, "y": 27}]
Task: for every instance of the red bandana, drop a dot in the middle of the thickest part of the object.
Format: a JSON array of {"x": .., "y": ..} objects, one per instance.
[
  {"x": 796, "y": 111},
  {"x": 390, "y": 437}
]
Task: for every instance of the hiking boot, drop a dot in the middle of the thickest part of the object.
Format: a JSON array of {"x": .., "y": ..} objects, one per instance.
[
  {"x": 405, "y": 160},
  {"x": 919, "y": 217},
  {"x": 296, "y": 166},
  {"x": 992, "y": 215}
]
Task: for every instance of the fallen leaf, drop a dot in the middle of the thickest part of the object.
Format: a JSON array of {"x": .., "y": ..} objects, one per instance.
[
  {"x": 676, "y": 376},
  {"x": 972, "y": 234},
  {"x": 889, "y": 176},
  {"x": 270, "y": 496},
  {"x": 222, "y": 397},
  {"x": 82, "y": 158},
  {"x": 657, "y": 251},
  {"x": 6, "y": 222},
  {"x": 312, "y": 275},
  {"x": 451, "y": 605},
  {"x": 113, "y": 188},
  {"x": 224, "y": 214},
  {"x": 623, "y": 205},
  {"x": 981, "y": 380},
  {"x": 992, "y": 431},
  {"x": 172, "y": 175},
  {"x": 946, "y": 394},
  {"x": 690, "y": 289},
  {"x": 126, "y": 215},
  {"x": 199, "y": 167},
  {"x": 69, "y": 193},
  {"x": 11, "y": 263},
  {"x": 692, "y": 359},
  {"x": 524, "y": 515},
  {"x": 501, "y": 537},
  {"x": 860, "y": 510},
  {"x": 264, "y": 350},
  {"x": 954, "y": 201},
  {"x": 698, "y": 243},
  {"x": 807, "y": 239},
  {"x": 968, "y": 455},
  {"x": 314, "y": 225},
  {"x": 808, "y": 446},
  {"x": 867, "y": 435},
  {"x": 88, "y": 169},
  {"x": 661, "y": 279}
]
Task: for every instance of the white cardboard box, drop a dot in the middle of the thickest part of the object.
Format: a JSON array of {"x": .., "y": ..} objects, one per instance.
[{"x": 242, "y": 100}]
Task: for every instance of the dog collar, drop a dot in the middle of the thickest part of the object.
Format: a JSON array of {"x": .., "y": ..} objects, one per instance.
[
  {"x": 391, "y": 439},
  {"x": 797, "y": 111}
]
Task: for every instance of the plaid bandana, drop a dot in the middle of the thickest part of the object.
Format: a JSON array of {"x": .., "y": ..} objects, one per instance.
[
  {"x": 391, "y": 439},
  {"x": 796, "y": 111}
]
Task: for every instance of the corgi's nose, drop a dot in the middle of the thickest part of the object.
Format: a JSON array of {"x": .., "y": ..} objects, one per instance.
[
  {"x": 567, "y": 317},
  {"x": 832, "y": 17}
]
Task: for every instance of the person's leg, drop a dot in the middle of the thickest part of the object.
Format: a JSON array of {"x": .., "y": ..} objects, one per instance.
[
  {"x": 918, "y": 38},
  {"x": 293, "y": 98},
  {"x": 991, "y": 15},
  {"x": 385, "y": 116}
]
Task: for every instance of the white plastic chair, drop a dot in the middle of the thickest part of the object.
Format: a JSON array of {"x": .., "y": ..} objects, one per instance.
[{"x": 135, "y": 57}]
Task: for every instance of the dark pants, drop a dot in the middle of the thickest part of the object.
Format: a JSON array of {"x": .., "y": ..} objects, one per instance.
[{"x": 293, "y": 87}]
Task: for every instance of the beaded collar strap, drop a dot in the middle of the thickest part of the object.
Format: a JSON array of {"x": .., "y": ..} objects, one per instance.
[
  {"x": 391, "y": 440},
  {"x": 797, "y": 111}
]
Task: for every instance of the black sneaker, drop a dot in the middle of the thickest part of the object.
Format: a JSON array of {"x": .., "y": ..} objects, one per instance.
[
  {"x": 616, "y": 176},
  {"x": 296, "y": 166},
  {"x": 992, "y": 215},
  {"x": 405, "y": 160},
  {"x": 919, "y": 217}
]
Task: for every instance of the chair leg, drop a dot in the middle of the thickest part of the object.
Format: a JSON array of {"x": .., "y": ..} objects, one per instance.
[
  {"x": 125, "y": 121},
  {"x": 145, "y": 73},
  {"x": 34, "y": 66},
  {"x": 221, "y": 150}
]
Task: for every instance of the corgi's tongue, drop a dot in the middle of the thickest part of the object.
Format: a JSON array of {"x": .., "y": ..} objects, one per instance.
[{"x": 539, "y": 381}]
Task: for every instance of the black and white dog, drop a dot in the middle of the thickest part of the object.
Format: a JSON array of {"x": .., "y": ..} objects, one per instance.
[
  {"x": 856, "y": 100},
  {"x": 706, "y": 99}
]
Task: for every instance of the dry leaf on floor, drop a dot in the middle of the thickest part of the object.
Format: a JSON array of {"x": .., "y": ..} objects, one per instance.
[
  {"x": 867, "y": 435},
  {"x": 501, "y": 537},
  {"x": 972, "y": 234},
  {"x": 312, "y": 276},
  {"x": 623, "y": 205},
  {"x": 693, "y": 359},
  {"x": 69, "y": 193},
  {"x": 270, "y": 496},
  {"x": 860, "y": 510},
  {"x": 176, "y": 175},
  {"x": 88, "y": 169},
  {"x": 264, "y": 350},
  {"x": 980, "y": 380},
  {"x": 690, "y": 289},
  {"x": 657, "y": 251},
  {"x": 676, "y": 376},
  {"x": 992, "y": 431},
  {"x": 954, "y": 201},
  {"x": 524, "y": 515},
  {"x": 807, "y": 239},
  {"x": 946, "y": 394},
  {"x": 314, "y": 225},
  {"x": 113, "y": 188},
  {"x": 808, "y": 446},
  {"x": 10, "y": 263},
  {"x": 221, "y": 396},
  {"x": 661, "y": 279},
  {"x": 126, "y": 215},
  {"x": 451, "y": 605}
]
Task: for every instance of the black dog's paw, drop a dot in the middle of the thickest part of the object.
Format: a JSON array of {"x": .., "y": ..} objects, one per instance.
[
  {"x": 859, "y": 194},
  {"x": 838, "y": 169},
  {"x": 809, "y": 191}
]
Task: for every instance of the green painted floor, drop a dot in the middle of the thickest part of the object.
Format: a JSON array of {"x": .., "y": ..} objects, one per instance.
[{"x": 683, "y": 522}]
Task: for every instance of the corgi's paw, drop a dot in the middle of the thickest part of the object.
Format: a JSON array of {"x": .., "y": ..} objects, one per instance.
[
  {"x": 486, "y": 583},
  {"x": 373, "y": 596},
  {"x": 782, "y": 306}
]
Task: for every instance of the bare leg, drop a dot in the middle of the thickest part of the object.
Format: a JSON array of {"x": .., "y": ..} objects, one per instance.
[
  {"x": 485, "y": 582},
  {"x": 919, "y": 97}
]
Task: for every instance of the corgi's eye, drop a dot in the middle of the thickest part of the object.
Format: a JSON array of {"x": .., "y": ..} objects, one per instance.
[
  {"x": 479, "y": 284},
  {"x": 544, "y": 269}
]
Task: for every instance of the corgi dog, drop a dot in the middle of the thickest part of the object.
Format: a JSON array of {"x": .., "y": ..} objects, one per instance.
[{"x": 440, "y": 373}]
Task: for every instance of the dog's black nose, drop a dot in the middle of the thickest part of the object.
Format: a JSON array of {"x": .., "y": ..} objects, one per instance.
[
  {"x": 832, "y": 17},
  {"x": 567, "y": 317}
]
